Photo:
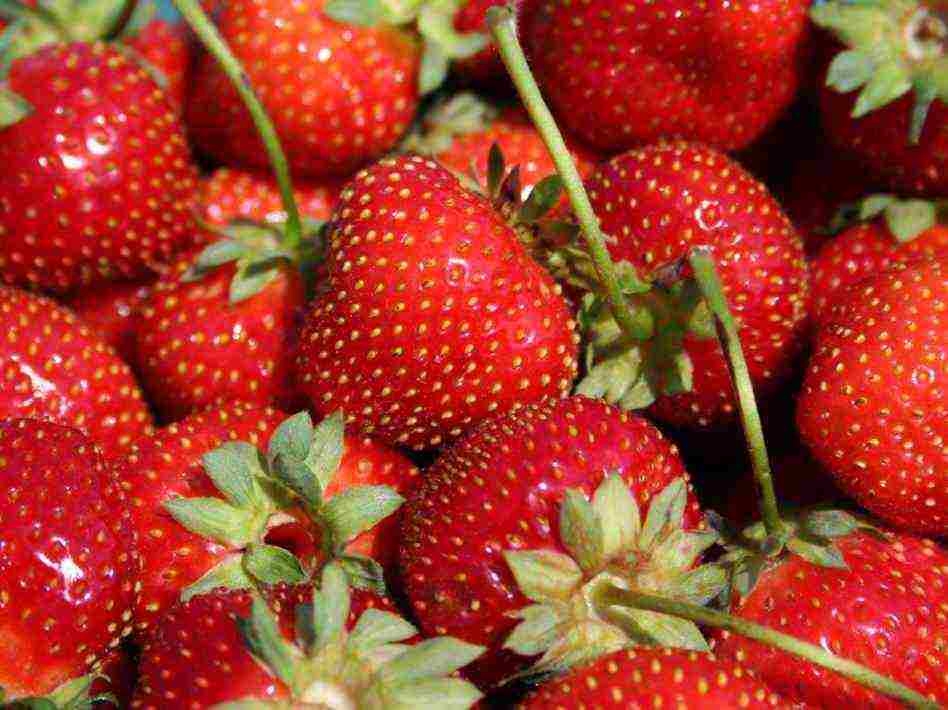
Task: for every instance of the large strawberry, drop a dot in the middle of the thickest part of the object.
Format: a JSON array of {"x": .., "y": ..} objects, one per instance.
[
  {"x": 68, "y": 558},
  {"x": 897, "y": 232},
  {"x": 319, "y": 648},
  {"x": 211, "y": 510},
  {"x": 112, "y": 310},
  {"x": 885, "y": 100},
  {"x": 657, "y": 678},
  {"x": 501, "y": 529},
  {"x": 97, "y": 182},
  {"x": 55, "y": 367},
  {"x": 872, "y": 409},
  {"x": 620, "y": 74},
  {"x": 658, "y": 203},
  {"x": 437, "y": 316},
  {"x": 876, "y": 598},
  {"x": 339, "y": 94}
]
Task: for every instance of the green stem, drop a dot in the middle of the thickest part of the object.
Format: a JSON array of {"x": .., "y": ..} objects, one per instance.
[
  {"x": 709, "y": 283},
  {"x": 16, "y": 10},
  {"x": 215, "y": 44},
  {"x": 502, "y": 26},
  {"x": 808, "y": 651}
]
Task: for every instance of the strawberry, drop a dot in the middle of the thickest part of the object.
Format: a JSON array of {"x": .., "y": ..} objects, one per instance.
[
  {"x": 55, "y": 367},
  {"x": 197, "y": 533},
  {"x": 481, "y": 547},
  {"x": 112, "y": 309},
  {"x": 67, "y": 558},
  {"x": 657, "y": 203},
  {"x": 436, "y": 317},
  {"x": 885, "y": 102},
  {"x": 900, "y": 232},
  {"x": 321, "y": 648},
  {"x": 339, "y": 94},
  {"x": 485, "y": 66},
  {"x": 621, "y": 74},
  {"x": 872, "y": 408},
  {"x": 656, "y": 678},
  {"x": 166, "y": 48},
  {"x": 879, "y": 599},
  {"x": 98, "y": 181}
]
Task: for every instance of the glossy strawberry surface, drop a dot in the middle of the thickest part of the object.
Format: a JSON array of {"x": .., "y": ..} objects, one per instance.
[
  {"x": 166, "y": 47},
  {"x": 111, "y": 310}
]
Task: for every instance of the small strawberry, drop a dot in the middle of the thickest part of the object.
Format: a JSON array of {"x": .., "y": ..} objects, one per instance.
[
  {"x": 876, "y": 598},
  {"x": 656, "y": 678},
  {"x": 112, "y": 310},
  {"x": 885, "y": 101},
  {"x": 622, "y": 74},
  {"x": 312, "y": 648},
  {"x": 657, "y": 203},
  {"x": 339, "y": 94},
  {"x": 900, "y": 231},
  {"x": 501, "y": 529},
  {"x": 55, "y": 367},
  {"x": 164, "y": 47},
  {"x": 97, "y": 181},
  {"x": 872, "y": 409},
  {"x": 207, "y": 501},
  {"x": 68, "y": 559},
  {"x": 436, "y": 316}
]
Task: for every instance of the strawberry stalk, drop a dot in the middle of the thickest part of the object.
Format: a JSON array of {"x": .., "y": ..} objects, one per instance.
[
  {"x": 500, "y": 21},
  {"x": 808, "y": 651},
  {"x": 16, "y": 10},
  {"x": 215, "y": 44},
  {"x": 712, "y": 290}
]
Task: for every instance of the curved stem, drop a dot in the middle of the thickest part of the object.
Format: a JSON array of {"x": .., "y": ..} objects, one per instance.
[
  {"x": 215, "y": 44},
  {"x": 808, "y": 651},
  {"x": 16, "y": 10},
  {"x": 709, "y": 283},
  {"x": 502, "y": 26}
]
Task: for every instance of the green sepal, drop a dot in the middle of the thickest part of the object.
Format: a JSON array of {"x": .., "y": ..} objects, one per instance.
[
  {"x": 214, "y": 255},
  {"x": 665, "y": 513},
  {"x": 905, "y": 219},
  {"x": 351, "y": 512},
  {"x": 13, "y": 108},
  {"x": 264, "y": 640},
  {"x": 272, "y": 565},
  {"x": 234, "y": 468},
  {"x": 649, "y": 628},
  {"x": 442, "y": 693},
  {"x": 363, "y": 573},
  {"x": 496, "y": 169},
  {"x": 364, "y": 13},
  {"x": 331, "y": 604},
  {"x": 227, "y": 574},
  {"x": 544, "y": 196},
  {"x": 376, "y": 628},
  {"x": 327, "y": 448},
  {"x": 461, "y": 114},
  {"x": 544, "y": 575},
  {"x": 71, "y": 695},
  {"x": 581, "y": 530},
  {"x": 618, "y": 510},
  {"x": 442, "y": 43},
  {"x": 887, "y": 83},
  {"x": 433, "y": 69},
  {"x": 429, "y": 659},
  {"x": 819, "y": 554},
  {"x": 215, "y": 519},
  {"x": 538, "y": 630},
  {"x": 92, "y": 20},
  {"x": 251, "y": 278},
  {"x": 293, "y": 437}
]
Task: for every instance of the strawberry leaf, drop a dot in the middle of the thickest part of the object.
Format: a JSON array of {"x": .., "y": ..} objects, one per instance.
[
  {"x": 214, "y": 519},
  {"x": 537, "y": 631},
  {"x": 581, "y": 530},
  {"x": 298, "y": 477},
  {"x": 293, "y": 437},
  {"x": 264, "y": 640},
  {"x": 351, "y": 512},
  {"x": 830, "y": 523},
  {"x": 363, "y": 573},
  {"x": 272, "y": 565},
  {"x": 251, "y": 279},
  {"x": 331, "y": 604},
  {"x": 819, "y": 554},
  {"x": 544, "y": 575},
  {"x": 214, "y": 255},
  {"x": 228, "y": 574},
  {"x": 377, "y": 628},
  {"x": 233, "y": 467},
  {"x": 665, "y": 512},
  {"x": 430, "y": 658},
  {"x": 326, "y": 448},
  {"x": 618, "y": 512},
  {"x": 849, "y": 70}
]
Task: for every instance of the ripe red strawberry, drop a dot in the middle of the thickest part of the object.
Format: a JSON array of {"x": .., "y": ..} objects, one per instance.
[
  {"x": 902, "y": 233},
  {"x": 884, "y": 101},
  {"x": 621, "y": 74},
  {"x": 484, "y": 67},
  {"x": 68, "y": 557},
  {"x": 174, "y": 465},
  {"x": 656, "y": 678},
  {"x": 339, "y": 94},
  {"x": 437, "y": 317},
  {"x": 97, "y": 181},
  {"x": 481, "y": 542},
  {"x": 165, "y": 47},
  {"x": 55, "y": 367},
  {"x": 872, "y": 408},
  {"x": 112, "y": 310},
  {"x": 886, "y": 607},
  {"x": 228, "y": 646},
  {"x": 658, "y": 203}
]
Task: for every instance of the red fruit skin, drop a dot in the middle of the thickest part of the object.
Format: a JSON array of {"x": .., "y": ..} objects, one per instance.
[
  {"x": 872, "y": 408},
  {"x": 112, "y": 310},
  {"x": 642, "y": 678},
  {"x": 54, "y": 367},
  {"x": 887, "y": 612},
  {"x": 196, "y": 657},
  {"x": 339, "y": 95},
  {"x": 485, "y": 67},
  {"x": 68, "y": 556},
  {"x": 860, "y": 253},
  {"x": 98, "y": 183},
  {"x": 437, "y": 317},
  {"x": 166, "y": 46},
  {"x": 661, "y": 201},
  {"x": 500, "y": 487},
  {"x": 195, "y": 348},
  {"x": 880, "y": 141},
  {"x": 621, "y": 74}
]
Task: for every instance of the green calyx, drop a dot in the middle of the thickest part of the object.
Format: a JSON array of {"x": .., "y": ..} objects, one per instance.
[
  {"x": 370, "y": 667},
  {"x": 893, "y": 47},
  {"x": 461, "y": 114},
  {"x": 434, "y": 20},
  {"x": 71, "y": 695},
  {"x": 905, "y": 219},
  {"x": 259, "y": 491},
  {"x": 609, "y": 544}
]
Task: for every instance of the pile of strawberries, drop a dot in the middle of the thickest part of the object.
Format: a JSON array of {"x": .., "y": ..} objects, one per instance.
[{"x": 419, "y": 430}]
